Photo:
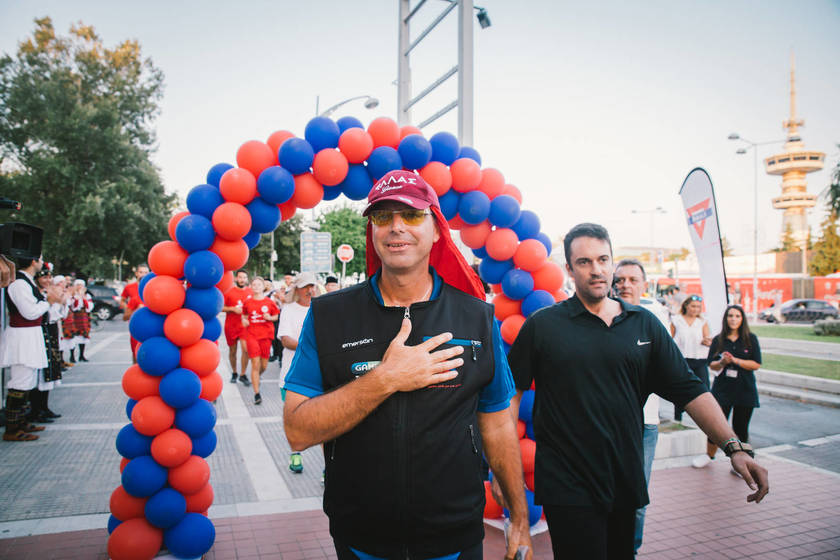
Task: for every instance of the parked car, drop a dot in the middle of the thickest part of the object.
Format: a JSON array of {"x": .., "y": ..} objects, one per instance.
[
  {"x": 106, "y": 301},
  {"x": 800, "y": 311}
]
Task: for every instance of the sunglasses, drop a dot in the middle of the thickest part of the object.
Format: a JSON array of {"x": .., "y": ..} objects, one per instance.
[
  {"x": 695, "y": 298},
  {"x": 410, "y": 217}
]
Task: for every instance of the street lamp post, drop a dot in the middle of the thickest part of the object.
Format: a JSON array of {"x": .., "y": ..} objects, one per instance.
[
  {"x": 754, "y": 147},
  {"x": 653, "y": 212},
  {"x": 370, "y": 103}
]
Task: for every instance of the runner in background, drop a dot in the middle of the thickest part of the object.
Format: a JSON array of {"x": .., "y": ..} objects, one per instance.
[
  {"x": 235, "y": 298},
  {"x": 130, "y": 302},
  {"x": 259, "y": 312}
]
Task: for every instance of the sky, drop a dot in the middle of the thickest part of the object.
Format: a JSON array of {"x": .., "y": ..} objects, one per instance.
[{"x": 592, "y": 109}]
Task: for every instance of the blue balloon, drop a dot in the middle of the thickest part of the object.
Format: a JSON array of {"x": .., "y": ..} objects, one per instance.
[
  {"x": 517, "y": 284},
  {"x": 445, "y": 148},
  {"x": 349, "y": 122},
  {"x": 113, "y": 523},
  {"x": 504, "y": 211},
  {"x": 474, "y": 207},
  {"x": 296, "y": 155},
  {"x": 528, "y": 225},
  {"x": 535, "y": 301},
  {"x": 276, "y": 185},
  {"x": 180, "y": 388},
  {"x": 204, "y": 269},
  {"x": 526, "y": 406},
  {"x": 196, "y": 419},
  {"x": 132, "y": 444},
  {"x": 214, "y": 176},
  {"x": 357, "y": 184},
  {"x": 449, "y": 203},
  {"x": 205, "y": 445},
  {"x": 480, "y": 253},
  {"x": 158, "y": 356},
  {"x": 534, "y": 511},
  {"x": 203, "y": 200},
  {"x": 265, "y": 217},
  {"x": 207, "y": 302},
  {"x": 468, "y": 152},
  {"x": 415, "y": 151},
  {"x": 529, "y": 430},
  {"x": 195, "y": 233},
  {"x": 145, "y": 323},
  {"x": 545, "y": 240},
  {"x": 331, "y": 193},
  {"x": 166, "y": 508},
  {"x": 141, "y": 285},
  {"x": 192, "y": 537},
  {"x": 492, "y": 271},
  {"x": 321, "y": 133},
  {"x": 252, "y": 239},
  {"x": 212, "y": 329},
  {"x": 382, "y": 160},
  {"x": 143, "y": 477},
  {"x": 129, "y": 406}
]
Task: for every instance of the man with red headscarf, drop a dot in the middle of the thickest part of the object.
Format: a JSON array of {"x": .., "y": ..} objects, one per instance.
[{"x": 404, "y": 379}]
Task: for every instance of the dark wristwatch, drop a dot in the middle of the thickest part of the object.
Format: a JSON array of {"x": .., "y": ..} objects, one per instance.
[{"x": 734, "y": 446}]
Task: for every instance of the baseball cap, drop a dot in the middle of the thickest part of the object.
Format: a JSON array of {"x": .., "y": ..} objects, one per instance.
[
  {"x": 305, "y": 279},
  {"x": 403, "y": 186}
]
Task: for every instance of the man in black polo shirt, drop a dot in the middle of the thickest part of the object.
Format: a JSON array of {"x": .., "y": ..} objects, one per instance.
[{"x": 594, "y": 361}]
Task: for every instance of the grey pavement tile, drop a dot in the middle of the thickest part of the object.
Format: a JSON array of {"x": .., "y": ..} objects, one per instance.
[
  {"x": 272, "y": 402},
  {"x": 89, "y": 404},
  {"x": 305, "y": 484},
  {"x": 825, "y": 456},
  {"x": 228, "y": 475}
]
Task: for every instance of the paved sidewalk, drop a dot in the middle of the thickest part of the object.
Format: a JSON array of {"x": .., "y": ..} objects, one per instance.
[{"x": 54, "y": 492}]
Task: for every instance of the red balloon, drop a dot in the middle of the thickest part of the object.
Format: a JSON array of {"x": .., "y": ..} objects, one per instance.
[
  {"x": 276, "y": 140},
  {"x": 466, "y": 174},
  {"x": 504, "y": 307},
  {"x": 255, "y": 156},
  {"x": 514, "y": 192},
  {"x": 124, "y": 506},
  {"x": 308, "y": 191},
  {"x": 226, "y": 283},
  {"x": 408, "y": 130},
  {"x": 356, "y": 145},
  {"x": 152, "y": 416},
  {"x": 173, "y": 223},
  {"x": 183, "y": 327},
  {"x": 167, "y": 259},
  {"x": 330, "y": 167},
  {"x": 232, "y": 221},
  {"x": 202, "y": 357},
  {"x": 287, "y": 210},
  {"x": 135, "y": 539},
  {"x": 530, "y": 255},
  {"x": 123, "y": 462},
  {"x": 529, "y": 481},
  {"x": 164, "y": 294},
  {"x": 201, "y": 500},
  {"x": 190, "y": 476},
  {"x": 496, "y": 288},
  {"x": 549, "y": 277},
  {"x": 171, "y": 448},
  {"x": 234, "y": 254},
  {"x": 501, "y": 244},
  {"x": 492, "y": 510},
  {"x": 475, "y": 236},
  {"x": 560, "y": 295},
  {"x": 492, "y": 182},
  {"x": 528, "y": 448},
  {"x": 438, "y": 176},
  {"x": 457, "y": 223},
  {"x": 520, "y": 429},
  {"x": 138, "y": 384},
  {"x": 510, "y": 327},
  {"x": 385, "y": 132},
  {"x": 238, "y": 185},
  {"x": 211, "y": 386}
]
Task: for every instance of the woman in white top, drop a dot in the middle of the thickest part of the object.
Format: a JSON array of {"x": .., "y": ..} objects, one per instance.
[{"x": 691, "y": 333}]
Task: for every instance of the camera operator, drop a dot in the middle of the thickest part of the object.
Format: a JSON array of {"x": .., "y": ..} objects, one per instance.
[{"x": 23, "y": 347}]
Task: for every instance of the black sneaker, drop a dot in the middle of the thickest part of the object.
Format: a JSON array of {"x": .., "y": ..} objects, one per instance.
[
  {"x": 244, "y": 380},
  {"x": 257, "y": 399},
  {"x": 233, "y": 377}
]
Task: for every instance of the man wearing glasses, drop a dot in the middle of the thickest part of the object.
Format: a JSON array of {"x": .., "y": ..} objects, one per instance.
[{"x": 404, "y": 379}]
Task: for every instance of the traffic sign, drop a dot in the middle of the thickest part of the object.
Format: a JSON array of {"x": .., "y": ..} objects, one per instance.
[
  {"x": 344, "y": 252},
  {"x": 315, "y": 251}
]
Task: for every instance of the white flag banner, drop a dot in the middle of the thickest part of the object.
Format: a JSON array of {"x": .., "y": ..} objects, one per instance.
[{"x": 698, "y": 197}]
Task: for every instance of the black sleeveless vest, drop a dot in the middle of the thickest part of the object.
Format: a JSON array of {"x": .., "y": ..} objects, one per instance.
[{"x": 407, "y": 480}]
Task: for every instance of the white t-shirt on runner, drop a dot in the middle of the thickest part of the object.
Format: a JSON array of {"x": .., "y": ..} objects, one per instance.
[{"x": 290, "y": 324}]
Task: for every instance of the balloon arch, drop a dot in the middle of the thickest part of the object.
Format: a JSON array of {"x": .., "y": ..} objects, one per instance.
[{"x": 165, "y": 492}]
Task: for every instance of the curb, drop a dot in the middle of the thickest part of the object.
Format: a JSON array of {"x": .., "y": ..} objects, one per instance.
[
  {"x": 798, "y": 381},
  {"x": 801, "y": 395}
]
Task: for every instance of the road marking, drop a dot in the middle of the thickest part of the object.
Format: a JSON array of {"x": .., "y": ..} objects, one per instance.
[
  {"x": 103, "y": 343},
  {"x": 820, "y": 441},
  {"x": 91, "y": 384}
]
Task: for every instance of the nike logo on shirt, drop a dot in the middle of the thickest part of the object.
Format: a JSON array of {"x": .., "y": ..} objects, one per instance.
[{"x": 640, "y": 343}]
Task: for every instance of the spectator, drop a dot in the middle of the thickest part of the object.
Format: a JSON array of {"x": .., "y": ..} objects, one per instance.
[
  {"x": 130, "y": 302},
  {"x": 331, "y": 284},
  {"x": 81, "y": 307},
  {"x": 691, "y": 333},
  {"x": 49, "y": 376}
]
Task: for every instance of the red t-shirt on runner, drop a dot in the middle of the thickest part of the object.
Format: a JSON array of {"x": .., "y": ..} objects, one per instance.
[
  {"x": 258, "y": 326},
  {"x": 234, "y": 297},
  {"x": 131, "y": 293}
]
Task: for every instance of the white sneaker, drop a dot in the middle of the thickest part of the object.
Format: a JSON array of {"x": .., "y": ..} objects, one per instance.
[{"x": 700, "y": 461}]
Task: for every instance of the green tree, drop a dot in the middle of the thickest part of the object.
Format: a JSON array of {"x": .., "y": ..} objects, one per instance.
[
  {"x": 726, "y": 246},
  {"x": 833, "y": 194},
  {"x": 788, "y": 242},
  {"x": 75, "y": 143},
  {"x": 347, "y": 225},
  {"x": 825, "y": 258},
  {"x": 287, "y": 245}
]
